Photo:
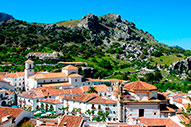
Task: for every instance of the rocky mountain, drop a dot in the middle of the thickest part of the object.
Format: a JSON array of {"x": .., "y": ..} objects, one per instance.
[
  {"x": 4, "y": 16},
  {"x": 107, "y": 43}
]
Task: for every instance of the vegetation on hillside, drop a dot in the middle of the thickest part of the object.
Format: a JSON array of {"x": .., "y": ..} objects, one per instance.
[{"x": 115, "y": 48}]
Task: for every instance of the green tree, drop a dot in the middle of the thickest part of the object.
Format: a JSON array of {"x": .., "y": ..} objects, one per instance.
[{"x": 187, "y": 114}]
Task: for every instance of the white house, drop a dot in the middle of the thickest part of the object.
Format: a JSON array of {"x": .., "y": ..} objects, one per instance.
[
  {"x": 90, "y": 102},
  {"x": 30, "y": 99},
  {"x": 16, "y": 79},
  {"x": 12, "y": 116},
  {"x": 68, "y": 78},
  {"x": 7, "y": 97}
]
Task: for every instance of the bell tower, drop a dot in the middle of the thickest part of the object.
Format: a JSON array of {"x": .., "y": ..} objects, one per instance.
[{"x": 29, "y": 71}]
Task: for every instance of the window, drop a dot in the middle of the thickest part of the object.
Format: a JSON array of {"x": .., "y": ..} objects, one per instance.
[
  {"x": 105, "y": 94},
  {"x": 76, "y": 80},
  {"x": 113, "y": 105},
  {"x": 141, "y": 112},
  {"x": 109, "y": 119},
  {"x": 114, "y": 112},
  {"x": 28, "y": 100},
  {"x": 155, "y": 113},
  {"x": 58, "y": 80},
  {"x": 113, "y": 119},
  {"x": 99, "y": 106}
]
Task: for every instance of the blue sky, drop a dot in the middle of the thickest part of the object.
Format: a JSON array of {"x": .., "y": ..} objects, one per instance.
[{"x": 169, "y": 21}]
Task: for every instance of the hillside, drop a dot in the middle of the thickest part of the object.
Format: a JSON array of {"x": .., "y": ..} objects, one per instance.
[
  {"x": 114, "y": 47},
  {"x": 4, "y": 16}
]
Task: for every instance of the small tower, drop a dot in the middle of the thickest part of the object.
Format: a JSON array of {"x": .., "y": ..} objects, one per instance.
[
  {"x": 29, "y": 70},
  {"x": 119, "y": 102}
]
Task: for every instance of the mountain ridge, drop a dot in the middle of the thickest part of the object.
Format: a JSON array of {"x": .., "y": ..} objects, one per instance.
[
  {"x": 112, "y": 46},
  {"x": 4, "y": 16}
]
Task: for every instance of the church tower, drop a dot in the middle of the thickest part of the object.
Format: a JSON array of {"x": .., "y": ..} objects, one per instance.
[
  {"x": 119, "y": 102},
  {"x": 29, "y": 71}
]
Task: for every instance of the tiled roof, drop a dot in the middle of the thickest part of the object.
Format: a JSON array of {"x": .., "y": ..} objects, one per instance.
[
  {"x": 29, "y": 61},
  {"x": 43, "y": 92},
  {"x": 168, "y": 109},
  {"x": 71, "y": 121},
  {"x": 85, "y": 88},
  {"x": 5, "y": 111},
  {"x": 15, "y": 75},
  {"x": 76, "y": 91},
  {"x": 56, "y": 84},
  {"x": 74, "y": 75},
  {"x": 52, "y": 101},
  {"x": 139, "y": 86},
  {"x": 158, "y": 122},
  {"x": 1, "y": 77},
  {"x": 69, "y": 67},
  {"x": 81, "y": 97},
  {"x": 99, "y": 100},
  {"x": 179, "y": 100},
  {"x": 48, "y": 75},
  {"x": 101, "y": 88}
]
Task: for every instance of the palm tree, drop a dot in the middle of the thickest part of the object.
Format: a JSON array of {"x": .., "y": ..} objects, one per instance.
[
  {"x": 92, "y": 90},
  {"x": 63, "y": 109}
]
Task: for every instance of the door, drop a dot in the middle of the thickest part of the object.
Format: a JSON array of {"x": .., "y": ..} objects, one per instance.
[{"x": 141, "y": 112}]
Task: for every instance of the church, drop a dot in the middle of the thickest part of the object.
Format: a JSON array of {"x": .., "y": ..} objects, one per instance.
[{"x": 67, "y": 78}]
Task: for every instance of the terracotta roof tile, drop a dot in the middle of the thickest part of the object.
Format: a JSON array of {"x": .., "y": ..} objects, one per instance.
[
  {"x": 158, "y": 122},
  {"x": 179, "y": 100},
  {"x": 85, "y": 88},
  {"x": 74, "y": 75},
  {"x": 48, "y": 75},
  {"x": 71, "y": 121},
  {"x": 43, "y": 92},
  {"x": 52, "y": 101},
  {"x": 139, "y": 86},
  {"x": 168, "y": 109},
  {"x": 15, "y": 75},
  {"x": 69, "y": 67},
  {"x": 76, "y": 91},
  {"x": 101, "y": 88},
  {"x": 56, "y": 84},
  {"x": 29, "y": 61},
  {"x": 99, "y": 100},
  {"x": 1, "y": 77},
  {"x": 5, "y": 111}
]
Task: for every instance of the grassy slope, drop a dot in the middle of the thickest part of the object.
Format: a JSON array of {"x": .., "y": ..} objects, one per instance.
[
  {"x": 167, "y": 59},
  {"x": 69, "y": 23}
]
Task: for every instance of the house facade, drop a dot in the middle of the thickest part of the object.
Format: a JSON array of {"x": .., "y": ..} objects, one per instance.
[{"x": 16, "y": 79}]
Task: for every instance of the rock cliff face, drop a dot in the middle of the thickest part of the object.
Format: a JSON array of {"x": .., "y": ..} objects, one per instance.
[
  {"x": 4, "y": 16},
  {"x": 181, "y": 65}
]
